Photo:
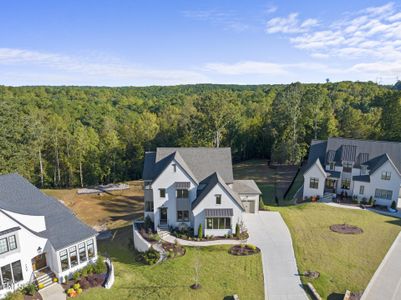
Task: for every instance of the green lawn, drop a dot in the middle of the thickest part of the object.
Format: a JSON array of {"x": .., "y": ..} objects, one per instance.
[
  {"x": 221, "y": 274},
  {"x": 344, "y": 261}
]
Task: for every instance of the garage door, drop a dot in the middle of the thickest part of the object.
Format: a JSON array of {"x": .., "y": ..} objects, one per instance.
[{"x": 249, "y": 206}]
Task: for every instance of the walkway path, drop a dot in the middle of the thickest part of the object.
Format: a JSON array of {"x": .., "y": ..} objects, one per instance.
[
  {"x": 53, "y": 292},
  {"x": 269, "y": 232},
  {"x": 386, "y": 282},
  {"x": 386, "y": 213}
]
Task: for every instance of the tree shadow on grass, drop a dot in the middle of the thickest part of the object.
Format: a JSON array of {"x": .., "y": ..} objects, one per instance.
[
  {"x": 123, "y": 208},
  {"x": 395, "y": 222}
]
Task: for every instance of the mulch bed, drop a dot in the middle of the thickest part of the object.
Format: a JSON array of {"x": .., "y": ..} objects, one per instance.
[
  {"x": 346, "y": 229},
  {"x": 90, "y": 281},
  {"x": 173, "y": 250},
  {"x": 243, "y": 250},
  {"x": 243, "y": 236},
  {"x": 36, "y": 296}
]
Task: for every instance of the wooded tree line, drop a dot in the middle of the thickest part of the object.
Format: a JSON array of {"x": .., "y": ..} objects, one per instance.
[{"x": 77, "y": 136}]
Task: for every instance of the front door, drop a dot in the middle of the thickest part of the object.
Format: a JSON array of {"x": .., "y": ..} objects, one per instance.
[
  {"x": 163, "y": 215},
  {"x": 39, "y": 262}
]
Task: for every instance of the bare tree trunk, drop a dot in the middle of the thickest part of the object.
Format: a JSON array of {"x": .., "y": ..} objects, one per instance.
[
  {"x": 80, "y": 173},
  {"x": 217, "y": 139},
  {"x": 57, "y": 163},
  {"x": 41, "y": 167}
]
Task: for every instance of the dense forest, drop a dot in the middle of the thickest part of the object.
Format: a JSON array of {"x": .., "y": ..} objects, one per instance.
[{"x": 79, "y": 136}]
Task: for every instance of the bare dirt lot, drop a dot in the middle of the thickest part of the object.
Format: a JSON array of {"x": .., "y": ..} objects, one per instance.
[{"x": 112, "y": 209}]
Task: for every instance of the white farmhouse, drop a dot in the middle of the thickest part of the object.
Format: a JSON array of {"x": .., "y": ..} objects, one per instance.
[
  {"x": 195, "y": 186},
  {"x": 40, "y": 239},
  {"x": 358, "y": 168}
]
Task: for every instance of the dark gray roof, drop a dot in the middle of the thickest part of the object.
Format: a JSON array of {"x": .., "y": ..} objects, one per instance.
[
  {"x": 219, "y": 212},
  {"x": 246, "y": 187},
  {"x": 364, "y": 178},
  {"x": 317, "y": 150},
  {"x": 334, "y": 174},
  {"x": 359, "y": 151},
  {"x": 62, "y": 227},
  {"x": 210, "y": 183},
  {"x": 376, "y": 162},
  {"x": 200, "y": 162},
  {"x": 10, "y": 230}
]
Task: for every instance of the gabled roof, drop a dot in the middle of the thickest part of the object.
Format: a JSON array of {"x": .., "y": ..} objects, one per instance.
[
  {"x": 62, "y": 227},
  {"x": 210, "y": 183},
  {"x": 201, "y": 162},
  {"x": 246, "y": 187},
  {"x": 359, "y": 151},
  {"x": 376, "y": 162}
]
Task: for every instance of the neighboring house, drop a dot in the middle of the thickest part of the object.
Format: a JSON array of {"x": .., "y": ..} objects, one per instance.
[
  {"x": 196, "y": 186},
  {"x": 354, "y": 167},
  {"x": 40, "y": 238}
]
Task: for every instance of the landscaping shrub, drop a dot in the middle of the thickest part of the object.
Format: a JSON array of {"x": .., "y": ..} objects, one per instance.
[
  {"x": 76, "y": 276},
  {"x": 29, "y": 289},
  {"x": 13, "y": 296},
  {"x": 149, "y": 257},
  {"x": 370, "y": 202},
  {"x": 237, "y": 231},
  {"x": 148, "y": 223},
  {"x": 393, "y": 205},
  {"x": 200, "y": 231},
  {"x": 250, "y": 246},
  {"x": 99, "y": 267}
]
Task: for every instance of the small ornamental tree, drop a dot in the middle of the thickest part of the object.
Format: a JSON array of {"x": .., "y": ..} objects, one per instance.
[
  {"x": 237, "y": 231},
  {"x": 200, "y": 231}
]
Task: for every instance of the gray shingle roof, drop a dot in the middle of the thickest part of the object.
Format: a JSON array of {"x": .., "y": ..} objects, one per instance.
[
  {"x": 62, "y": 227},
  {"x": 201, "y": 162},
  {"x": 210, "y": 183},
  {"x": 376, "y": 162},
  {"x": 359, "y": 151},
  {"x": 246, "y": 187}
]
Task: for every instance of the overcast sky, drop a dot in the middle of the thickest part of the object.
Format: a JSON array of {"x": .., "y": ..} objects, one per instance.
[{"x": 119, "y": 43}]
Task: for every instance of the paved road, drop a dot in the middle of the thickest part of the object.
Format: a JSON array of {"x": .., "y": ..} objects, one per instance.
[
  {"x": 269, "y": 232},
  {"x": 386, "y": 282}
]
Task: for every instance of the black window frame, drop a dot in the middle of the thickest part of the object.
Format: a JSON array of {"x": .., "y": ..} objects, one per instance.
[
  {"x": 386, "y": 175},
  {"x": 216, "y": 223},
  {"x": 361, "y": 190},
  {"x": 218, "y": 199},
  {"x": 162, "y": 193},
  {"x": 182, "y": 215},
  {"x": 6, "y": 244},
  {"x": 182, "y": 194},
  {"x": 314, "y": 183},
  {"x": 345, "y": 186}
]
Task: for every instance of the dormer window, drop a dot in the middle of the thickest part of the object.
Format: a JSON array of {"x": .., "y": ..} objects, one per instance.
[
  {"x": 347, "y": 167},
  {"x": 386, "y": 175},
  {"x": 364, "y": 170},
  {"x": 332, "y": 166}
]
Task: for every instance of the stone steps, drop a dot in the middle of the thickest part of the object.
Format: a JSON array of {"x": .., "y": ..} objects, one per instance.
[{"x": 45, "y": 279}]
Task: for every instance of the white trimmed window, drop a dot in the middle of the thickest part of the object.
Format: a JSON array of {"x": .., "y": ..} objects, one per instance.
[
  {"x": 383, "y": 194},
  {"x": 64, "y": 260},
  {"x": 218, "y": 199},
  {"x": 361, "y": 190}
]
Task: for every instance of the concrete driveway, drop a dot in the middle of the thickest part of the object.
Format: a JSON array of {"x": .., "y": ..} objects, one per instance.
[
  {"x": 386, "y": 282},
  {"x": 268, "y": 231}
]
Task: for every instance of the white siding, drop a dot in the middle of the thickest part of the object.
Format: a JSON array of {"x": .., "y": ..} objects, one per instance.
[
  {"x": 27, "y": 248},
  {"x": 210, "y": 202},
  {"x": 251, "y": 197},
  {"x": 314, "y": 172},
  {"x": 167, "y": 180}
]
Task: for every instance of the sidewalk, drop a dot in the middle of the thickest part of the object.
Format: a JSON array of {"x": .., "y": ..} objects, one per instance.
[{"x": 386, "y": 282}]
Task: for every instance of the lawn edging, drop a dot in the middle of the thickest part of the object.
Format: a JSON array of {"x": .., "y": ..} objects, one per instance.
[{"x": 171, "y": 239}]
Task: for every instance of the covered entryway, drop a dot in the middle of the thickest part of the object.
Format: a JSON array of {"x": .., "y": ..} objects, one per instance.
[
  {"x": 39, "y": 262},
  {"x": 249, "y": 206}
]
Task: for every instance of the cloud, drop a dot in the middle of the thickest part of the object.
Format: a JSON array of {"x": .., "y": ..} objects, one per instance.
[
  {"x": 369, "y": 40},
  {"x": 228, "y": 20},
  {"x": 290, "y": 24},
  {"x": 270, "y": 8},
  {"x": 88, "y": 68}
]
